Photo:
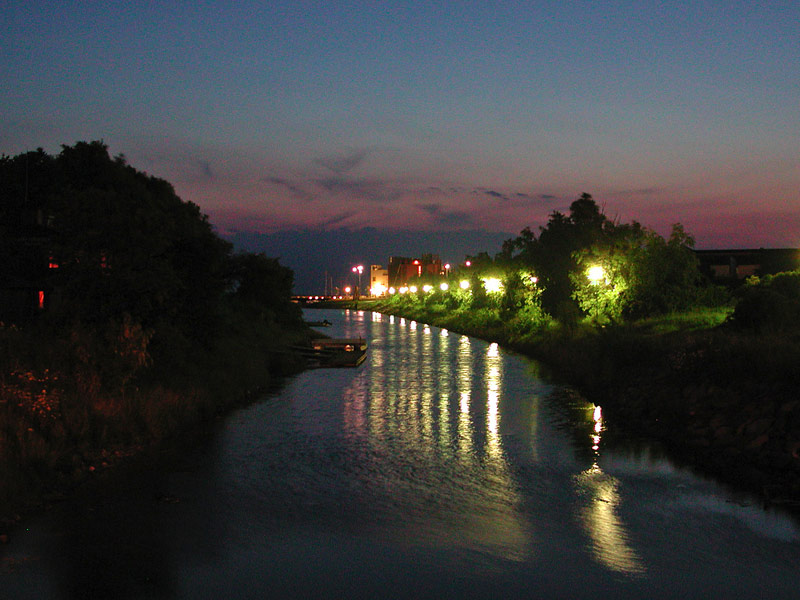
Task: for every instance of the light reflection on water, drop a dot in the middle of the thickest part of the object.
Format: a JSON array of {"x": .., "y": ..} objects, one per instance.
[
  {"x": 467, "y": 425},
  {"x": 461, "y": 472},
  {"x": 599, "y": 511},
  {"x": 439, "y": 468}
]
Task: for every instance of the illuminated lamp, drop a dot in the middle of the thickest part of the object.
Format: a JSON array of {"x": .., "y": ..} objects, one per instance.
[
  {"x": 492, "y": 284},
  {"x": 596, "y": 274},
  {"x": 464, "y": 285},
  {"x": 444, "y": 287}
]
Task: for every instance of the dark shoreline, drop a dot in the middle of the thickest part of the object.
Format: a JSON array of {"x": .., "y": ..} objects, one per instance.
[{"x": 75, "y": 467}]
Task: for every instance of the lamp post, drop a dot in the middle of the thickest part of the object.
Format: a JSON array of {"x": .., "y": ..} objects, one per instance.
[
  {"x": 358, "y": 269},
  {"x": 596, "y": 275}
]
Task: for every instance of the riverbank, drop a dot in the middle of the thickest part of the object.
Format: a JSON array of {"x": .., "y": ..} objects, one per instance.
[
  {"x": 721, "y": 401},
  {"x": 55, "y": 434}
]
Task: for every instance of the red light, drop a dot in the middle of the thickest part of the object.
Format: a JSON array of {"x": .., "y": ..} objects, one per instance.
[{"x": 41, "y": 298}]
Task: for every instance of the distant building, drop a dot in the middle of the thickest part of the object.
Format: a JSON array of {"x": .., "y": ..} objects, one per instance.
[
  {"x": 378, "y": 280},
  {"x": 403, "y": 270},
  {"x": 736, "y": 265}
]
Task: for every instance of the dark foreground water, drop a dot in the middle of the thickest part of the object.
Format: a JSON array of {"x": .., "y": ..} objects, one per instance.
[{"x": 442, "y": 467}]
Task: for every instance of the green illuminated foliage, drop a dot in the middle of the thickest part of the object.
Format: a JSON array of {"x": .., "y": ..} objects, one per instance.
[{"x": 643, "y": 274}]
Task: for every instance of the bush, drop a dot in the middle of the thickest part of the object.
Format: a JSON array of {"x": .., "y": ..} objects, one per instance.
[{"x": 770, "y": 304}]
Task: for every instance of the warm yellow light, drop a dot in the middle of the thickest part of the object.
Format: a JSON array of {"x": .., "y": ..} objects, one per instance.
[
  {"x": 347, "y": 290},
  {"x": 378, "y": 289},
  {"x": 413, "y": 289},
  {"x": 427, "y": 288},
  {"x": 464, "y": 285},
  {"x": 468, "y": 264},
  {"x": 596, "y": 274},
  {"x": 444, "y": 287},
  {"x": 492, "y": 284},
  {"x": 392, "y": 290},
  {"x": 403, "y": 290}
]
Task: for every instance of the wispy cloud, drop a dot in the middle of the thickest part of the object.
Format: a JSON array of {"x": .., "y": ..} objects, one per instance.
[
  {"x": 448, "y": 218},
  {"x": 337, "y": 219},
  {"x": 343, "y": 163},
  {"x": 294, "y": 188},
  {"x": 371, "y": 190}
]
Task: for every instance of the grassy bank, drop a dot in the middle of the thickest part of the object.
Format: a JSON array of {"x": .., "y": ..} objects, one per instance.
[
  {"x": 61, "y": 420},
  {"x": 721, "y": 400}
]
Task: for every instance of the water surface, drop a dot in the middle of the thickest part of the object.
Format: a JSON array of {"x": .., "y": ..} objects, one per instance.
[{"x": 441, "y": 466}]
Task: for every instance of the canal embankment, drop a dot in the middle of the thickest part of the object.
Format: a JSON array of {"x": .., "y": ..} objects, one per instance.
[
  {"x": 60, "y": 428},
  {"x": 721, "y": 401}
]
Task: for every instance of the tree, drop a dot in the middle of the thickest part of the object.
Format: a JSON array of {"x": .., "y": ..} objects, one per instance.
[
  {"x": 264, "y": 286},
  {"x": 642, "y": 273},
  {"x": 552, "y": 254},
  {"x": 129, "y": 250}
]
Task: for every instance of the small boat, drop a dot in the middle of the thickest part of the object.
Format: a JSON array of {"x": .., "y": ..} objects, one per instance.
[
  {"x": 340, "y": 352},
  {"x": 323, "y": 323}
]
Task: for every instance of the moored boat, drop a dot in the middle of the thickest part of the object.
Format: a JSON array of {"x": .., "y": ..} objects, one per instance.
[{"x": 346, "y": 352}]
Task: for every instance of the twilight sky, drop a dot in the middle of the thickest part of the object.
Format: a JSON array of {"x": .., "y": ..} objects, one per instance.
[{"x": 426, "y": 116}]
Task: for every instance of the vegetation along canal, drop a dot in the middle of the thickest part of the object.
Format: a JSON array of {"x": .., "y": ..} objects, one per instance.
[{"x": 440, "y": 467}]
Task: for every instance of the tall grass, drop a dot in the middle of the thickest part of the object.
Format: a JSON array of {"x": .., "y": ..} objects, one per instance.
[{"x": 72, "y": 403}]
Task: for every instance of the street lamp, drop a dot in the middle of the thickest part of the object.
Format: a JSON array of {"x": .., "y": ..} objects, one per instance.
[
  {"x": 358, "y": 269},
  {"x": 447, "y": 271},
  {"x": 596, "y": 274}
]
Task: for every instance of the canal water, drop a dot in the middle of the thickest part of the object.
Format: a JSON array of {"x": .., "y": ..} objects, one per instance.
[{"x": 441, "y": 467}]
